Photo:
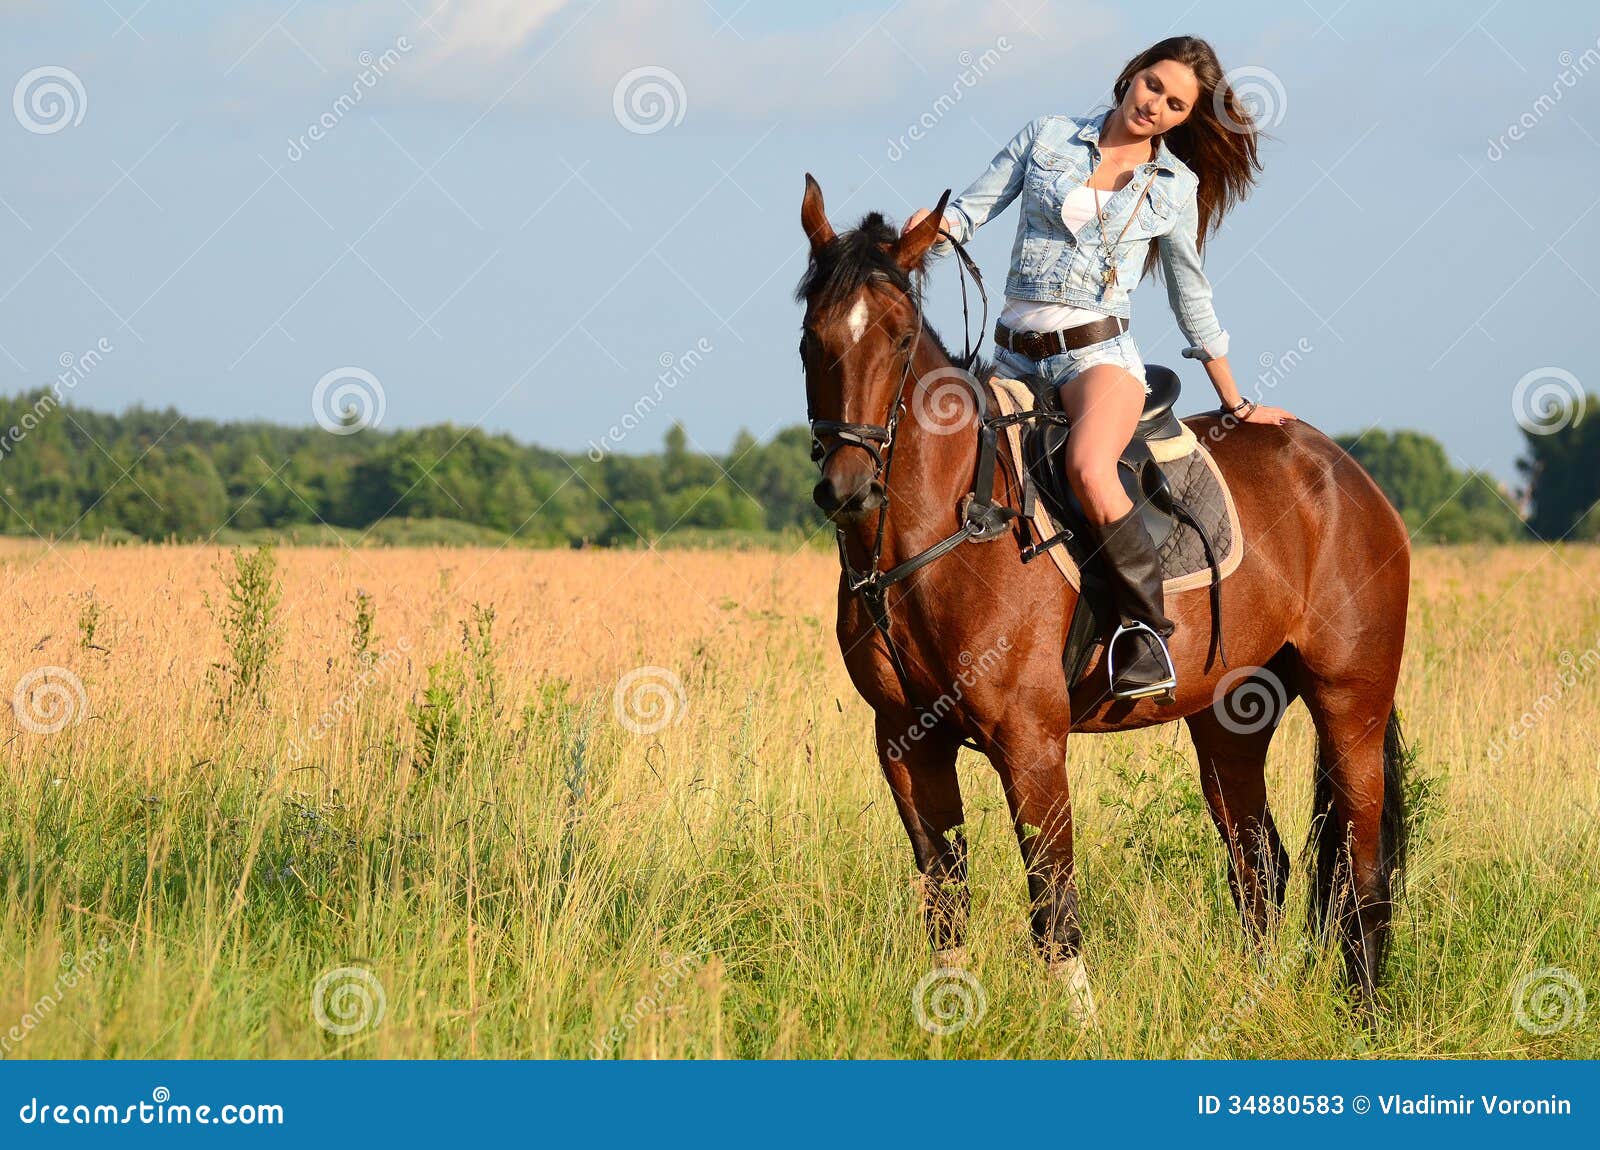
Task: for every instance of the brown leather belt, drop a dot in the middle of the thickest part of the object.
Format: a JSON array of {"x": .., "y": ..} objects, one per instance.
[{"x": 1039, "y": 344}]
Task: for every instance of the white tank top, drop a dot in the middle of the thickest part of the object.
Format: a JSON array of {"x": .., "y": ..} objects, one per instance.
[{"x": 1077, "y": 209}]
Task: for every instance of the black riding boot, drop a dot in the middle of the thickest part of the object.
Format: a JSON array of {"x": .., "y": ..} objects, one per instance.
[{"x": 1137, "y": 655}]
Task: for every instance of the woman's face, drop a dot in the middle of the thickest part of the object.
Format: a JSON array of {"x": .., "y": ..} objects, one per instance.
[{"x": 1159, "y": 98}]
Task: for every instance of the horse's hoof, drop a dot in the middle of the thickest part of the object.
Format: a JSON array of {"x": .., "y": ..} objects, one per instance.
[
  {"x": 1074, "y": 973},
  {"x": 954, "y": 956}
]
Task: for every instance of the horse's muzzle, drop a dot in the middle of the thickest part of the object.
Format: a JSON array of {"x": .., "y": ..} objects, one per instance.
[{"x": 843, "y": 502}]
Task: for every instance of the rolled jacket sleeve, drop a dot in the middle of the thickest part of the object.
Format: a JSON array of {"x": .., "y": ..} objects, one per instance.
[
  {"x": 993, "y": 191},
  {"x": 1188, "y": 290}
]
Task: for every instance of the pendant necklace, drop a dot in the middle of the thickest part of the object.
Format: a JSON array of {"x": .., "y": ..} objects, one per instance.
[
  {"x": 1108, "y": 272},
  {"x": 1108, "y": 275}
]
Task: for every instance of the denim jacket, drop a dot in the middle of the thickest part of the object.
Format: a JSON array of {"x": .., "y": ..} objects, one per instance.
[{"x": 1046, "y": 160}]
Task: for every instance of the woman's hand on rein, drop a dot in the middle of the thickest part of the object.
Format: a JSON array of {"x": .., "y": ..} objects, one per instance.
[{"x": 918, "y": 216}]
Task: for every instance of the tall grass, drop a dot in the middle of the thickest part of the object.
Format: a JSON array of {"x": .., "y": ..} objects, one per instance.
[{"x": 532, "y": 852}]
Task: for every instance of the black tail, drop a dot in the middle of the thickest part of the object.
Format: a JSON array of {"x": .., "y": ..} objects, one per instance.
[
  {"x": 1394, "y": 839},
  {"x": 1330, "y": 882}
]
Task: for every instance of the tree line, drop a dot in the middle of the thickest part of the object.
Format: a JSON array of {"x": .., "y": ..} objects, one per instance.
[{"x": 148, "y": 474}]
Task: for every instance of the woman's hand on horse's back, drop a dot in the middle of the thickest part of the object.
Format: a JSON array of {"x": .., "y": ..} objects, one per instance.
[{"x": 1262, "y": 413}]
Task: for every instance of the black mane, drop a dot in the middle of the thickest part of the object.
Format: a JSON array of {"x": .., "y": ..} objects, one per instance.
[{"x": 855, "y": 258}]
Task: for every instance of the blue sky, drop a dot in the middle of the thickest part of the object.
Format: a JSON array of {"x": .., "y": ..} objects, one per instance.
[{"x": 483, "y": 233}]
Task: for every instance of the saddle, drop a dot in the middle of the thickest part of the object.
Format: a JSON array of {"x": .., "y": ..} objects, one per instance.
[
  {"x": 1043, "y": 452},
  {"x": 1159, "y": 506}
]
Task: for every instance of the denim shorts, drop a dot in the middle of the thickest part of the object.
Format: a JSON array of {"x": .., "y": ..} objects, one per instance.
[{"x": 1064, "y": 366}]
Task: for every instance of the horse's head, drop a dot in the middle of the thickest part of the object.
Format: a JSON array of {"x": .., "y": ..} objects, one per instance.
[{"x": 861, "y": 328}]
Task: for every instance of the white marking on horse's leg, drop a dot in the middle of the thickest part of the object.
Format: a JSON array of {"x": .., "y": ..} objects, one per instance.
[
  {"x": 858, "y": 318},
  {"x": 954, "y": 956},
  {"x": 1074, "y": 973}
]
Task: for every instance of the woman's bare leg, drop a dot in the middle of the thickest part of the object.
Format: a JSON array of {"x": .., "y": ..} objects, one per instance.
[{"x": 1104, "y": 404}]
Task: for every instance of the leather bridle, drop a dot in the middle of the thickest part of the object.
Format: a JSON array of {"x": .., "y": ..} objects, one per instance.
[
  {"x": 981, "y": 518},
  {"x": 862, "y": 435},
  {"x": 867, "y": 435}
]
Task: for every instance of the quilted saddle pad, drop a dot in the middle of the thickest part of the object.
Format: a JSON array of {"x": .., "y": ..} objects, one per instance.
[{"x": 1193, "y": 476}]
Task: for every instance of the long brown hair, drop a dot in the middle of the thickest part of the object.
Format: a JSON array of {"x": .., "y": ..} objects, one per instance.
[{"x": 1217, "y": 140}]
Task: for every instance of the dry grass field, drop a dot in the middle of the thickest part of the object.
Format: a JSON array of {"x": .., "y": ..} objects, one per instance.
[{"x": 451, "y": 803}]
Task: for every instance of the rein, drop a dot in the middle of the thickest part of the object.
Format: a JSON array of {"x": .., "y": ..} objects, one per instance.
[{"x": 981, "y": 519}]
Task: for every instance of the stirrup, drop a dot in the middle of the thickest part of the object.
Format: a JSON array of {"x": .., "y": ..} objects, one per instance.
[{"x": 1166, "y": 684}]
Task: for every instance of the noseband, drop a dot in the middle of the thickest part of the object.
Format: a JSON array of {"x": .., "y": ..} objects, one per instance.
[{"x": 862, "y": 435}]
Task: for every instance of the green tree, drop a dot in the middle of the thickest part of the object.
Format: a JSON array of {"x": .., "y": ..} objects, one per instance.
[
  {"x": 1438, "y": 502},
  {"x": 1562, "y": 468}
]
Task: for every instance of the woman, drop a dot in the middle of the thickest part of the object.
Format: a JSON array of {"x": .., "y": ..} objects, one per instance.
[{"x": 1165, "y": 164}]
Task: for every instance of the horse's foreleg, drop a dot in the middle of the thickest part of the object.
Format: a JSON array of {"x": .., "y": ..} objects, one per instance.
[
  {"x": 922, "y": 775},
  {"x": 1033, "y": 771}
]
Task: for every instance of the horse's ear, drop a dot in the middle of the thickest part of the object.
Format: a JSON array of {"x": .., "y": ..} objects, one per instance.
[
  {"x": 813, "y": 219},
  {"x": 913, "y": 246}
]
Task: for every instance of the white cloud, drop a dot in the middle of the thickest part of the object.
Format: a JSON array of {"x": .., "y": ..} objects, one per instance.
[
  {"x": 488, "y": 30},
  {"x": 568, "y": 55}
]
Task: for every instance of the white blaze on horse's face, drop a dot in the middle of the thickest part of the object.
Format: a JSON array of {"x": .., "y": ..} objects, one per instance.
[{"x": 858, "y": 318}]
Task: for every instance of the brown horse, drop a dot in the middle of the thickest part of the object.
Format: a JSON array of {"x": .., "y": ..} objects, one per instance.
[{"x": 1316, "y": 610}]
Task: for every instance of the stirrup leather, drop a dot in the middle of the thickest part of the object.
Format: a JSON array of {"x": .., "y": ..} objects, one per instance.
[{"x": 1169, "y": 681}]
